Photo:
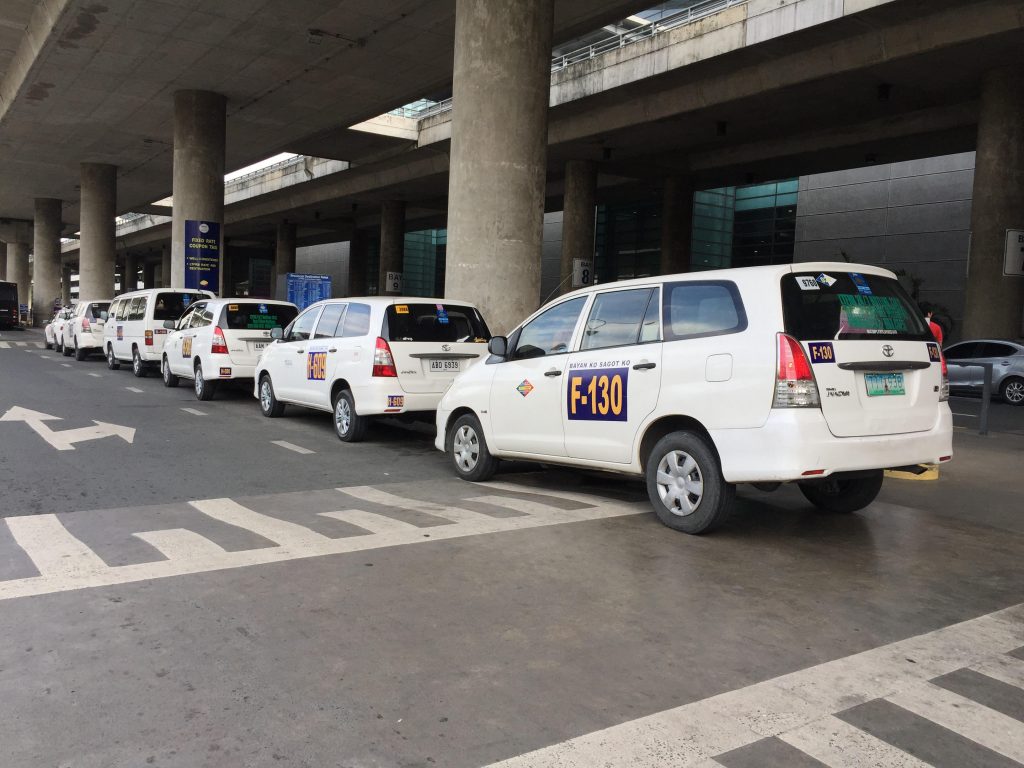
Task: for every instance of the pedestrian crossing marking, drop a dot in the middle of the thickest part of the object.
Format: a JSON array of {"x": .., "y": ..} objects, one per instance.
[
  {"x": 282, "y": 532},
  {"x": 22, "y": 345},
  {"x": 181, "y": 544},
  {"x": 838, "y": 744},
  {"x": 384, "y": 498},
  {"x": 52, "y": 548},
  {"x": 369, "y": 521}
]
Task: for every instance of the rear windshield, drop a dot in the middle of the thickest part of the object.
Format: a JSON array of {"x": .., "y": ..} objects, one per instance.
[
  {"x": 849, "y": 305},
  {"x": 93, "y": 310},
  {"x": 8, "y": 291},
  {"x": 256, "y": 316},
  {"x": 434, "y": 322},
  {"x": 171, "y": 306}
]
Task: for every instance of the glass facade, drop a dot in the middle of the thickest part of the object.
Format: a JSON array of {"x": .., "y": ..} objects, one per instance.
[
  {"x": 628, "y": 241},
  {"x": 745, "y": 226},
  {"x": 423, "y": 266}
]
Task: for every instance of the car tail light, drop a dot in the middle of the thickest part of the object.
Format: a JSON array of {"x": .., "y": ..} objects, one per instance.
[
  {"x": 219, "y": 345},
  {"x": 794, "y": 380},
  {"x": 383, "y": 361},
  {"x": 86, "y": 325},
  {"x": 944, "y": 386},
  {"x": 149, "y": 338}
]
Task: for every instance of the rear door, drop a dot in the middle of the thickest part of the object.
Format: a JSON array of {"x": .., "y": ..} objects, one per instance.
[
  {"x": 94, "y": 312},
  {"x": 875, "y": 361},
  {"x": 247, "y": 325},
  {"x": 960, "y": 357}
]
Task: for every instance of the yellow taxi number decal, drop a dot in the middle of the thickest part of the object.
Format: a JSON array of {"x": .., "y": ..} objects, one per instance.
[
  {"x": 316, "y": 366},
  {"x": 598, "y": 394},
  {"x": 186, "y": 347},
  {"x": 822, "y": 352}
]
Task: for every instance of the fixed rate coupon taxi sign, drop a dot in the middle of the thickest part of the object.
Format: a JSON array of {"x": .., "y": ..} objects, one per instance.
[
  {"x": 1013, "y": 259},
  {"x": 202, "y": 255}
]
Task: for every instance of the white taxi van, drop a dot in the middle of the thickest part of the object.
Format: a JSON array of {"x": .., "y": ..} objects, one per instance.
[
  {"x": 361, "y": 357},
  {"x": 83, "y": 332},
  {"x": 134, "y": 331},
  {"x": 220, "y": 339},
  {"x": 821, "y": 374}
]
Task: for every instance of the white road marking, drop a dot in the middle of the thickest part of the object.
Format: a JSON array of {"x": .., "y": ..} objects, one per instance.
[
  {"x": 65, "y": 440},
  {"x": 454, "y": 514},
  {"x": 292, "y": 447},
  {"x": 369, "y": 521},
  {"x": 181, "y": 544},
  {"x": 838, "y": 744},
  {"x": 966, "y": 415},
  {"x": 690, "y": 735},
  {"x": 976, "y": 722},
  {"x": 279, "y": 531},
  {"x": 52, "y": 548},
  {"x": 1004, "y": 668},
  {"x": 136, "y": 390},
  {"x": 46, "y": 357},
  {"x": 66, "y": 365},
  {"x": 5, "y": 345},
  {"x": 96, "y": 375},
  {"x": 194, "y": 411}
]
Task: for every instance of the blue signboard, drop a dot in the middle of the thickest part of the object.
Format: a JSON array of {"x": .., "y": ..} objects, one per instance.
[
  {"x": 202, "y": 255},
  {"x": 304, "y": 290}
]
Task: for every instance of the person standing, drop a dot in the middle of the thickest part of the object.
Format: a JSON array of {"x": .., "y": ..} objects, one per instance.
[{"x": 935, "y": 327}]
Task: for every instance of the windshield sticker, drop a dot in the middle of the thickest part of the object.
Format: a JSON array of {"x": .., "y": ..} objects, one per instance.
[
  {"x": 807, "y": 283},
  {"x": 232, "y": 307},
  {"x": 263, "y": 309},
  {"x": 879, "y": 315},
  {"x": 827, "y": 280},
  {"x": 525, "y": 388},
  {"x": 401, "y": 309},
  {"x": 822, "y": 352},
  {"x": 598, "y": 394},
  {"x": 862, "y": 285}
]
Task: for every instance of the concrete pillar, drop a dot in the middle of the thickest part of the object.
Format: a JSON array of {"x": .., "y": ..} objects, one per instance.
[
  {"x": 149, "y": 274},
  {"x": 284, "y": 259},
  {"x": 199, "y": 120},
  {"x": 3, "y": 261},
  {"x": 165, "y": 266},
  {"x": 578, "y": 217},
  {"x": 676, "y": 225},
  {"x": 357, "y": 264},
  {"x": 45, "y": 258},
  {"x": 96, "y": 252},
  {"x": 501, "y": 82},
  {"x": 17, "y": 269},
  {"x": 392, "y": 244},
  {"x": 995, "y": 302},
  {"x": 130, "y": 274},
  {"x": 65, "y": 284}
]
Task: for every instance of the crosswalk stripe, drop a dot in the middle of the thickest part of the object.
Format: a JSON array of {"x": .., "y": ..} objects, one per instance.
[
  {"x": 369, "y": 521},
  {"x": 1004, "y": 668},
  {"x": 839, "y": 745},
  {"x": 971, "y": 720},
  {"x": 385, "y": 499},
  {"x": 559, "y": 494},
  {"x": 292, "y": 447},
  {"x": 52, "y": 548},
  {"x": 5, "y": 345},
  {"x": 181, "y": 544},
  {"x": 282, "y": 532}
]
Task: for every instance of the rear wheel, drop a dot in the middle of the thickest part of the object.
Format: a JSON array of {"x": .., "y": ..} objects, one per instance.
[
  {"x": 138, "y": 367},
  {"x": 170, "y": 380},
  {"x": 112, "y": 362},
  {"x": 270, "y": 406},
  {"x": 79, "y": 352},
  {"x": 1012, "y": 391},
  {"x": 49, "y": 345},
  {"x": 205, "y": 390},
  {"x": 58, "y": 346},
  {"x": 349, "y": 426},
  {"x": 468, "y": 450},
  {"x": 66, "y": 350},
  {"x": 685, "y": 484},
  {"x": 843, "y": 495}
]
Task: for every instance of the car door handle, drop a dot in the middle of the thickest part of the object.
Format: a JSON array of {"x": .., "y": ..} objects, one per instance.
[
  {"x": 644, "y": 366},
  {"x": 553, "y": 372},
  {"x": 333, "y": 349},
  {"x": 299, "y": 351}
]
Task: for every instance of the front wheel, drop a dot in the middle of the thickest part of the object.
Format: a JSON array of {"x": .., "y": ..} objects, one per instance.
[
  {"x": 138, "y": 367},
  {"x": 205, "y": 390},
  {"x": 468, "y": 450},
  {"x": 685, "y": 484},
  {"x": 270, "y": 406},
  {"x": 112, "y": 362},
  {"x": 1012, "y": 391},
  {"x": 170, "y": 380},
  {"x": 843, "y": 495},
  {"x": 349, "y": 426}
]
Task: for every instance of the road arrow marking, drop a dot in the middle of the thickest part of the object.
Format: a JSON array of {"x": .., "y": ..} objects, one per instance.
[{"x": 64, "y": 441}]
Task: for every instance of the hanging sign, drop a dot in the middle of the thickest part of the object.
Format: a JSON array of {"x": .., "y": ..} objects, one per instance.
[{"x": 202, "y": 255}]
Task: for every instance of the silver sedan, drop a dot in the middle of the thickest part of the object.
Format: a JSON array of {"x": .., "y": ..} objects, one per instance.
[{"x": 1007, "y": 359}]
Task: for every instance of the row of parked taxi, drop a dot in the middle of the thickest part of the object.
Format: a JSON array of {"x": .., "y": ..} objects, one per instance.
[{"x": 822, "y": 375}]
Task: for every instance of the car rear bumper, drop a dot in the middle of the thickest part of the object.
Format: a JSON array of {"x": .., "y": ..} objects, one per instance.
[
  {"x": 795, "y": 441},
  {"x": 88, "y": 341},
  {"x": 387, "y": 397}
]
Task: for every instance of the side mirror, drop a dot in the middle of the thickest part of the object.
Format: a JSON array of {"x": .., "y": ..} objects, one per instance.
[
  {"x": 498, "y": 346},
  {"x": 277, "y": 333},
  {"x": 170, "y": 325}
]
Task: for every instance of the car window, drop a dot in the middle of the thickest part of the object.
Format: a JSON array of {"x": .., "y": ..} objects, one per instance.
[
  {"x": 302, "y": 328},
  {"x": 550, "y": 332},
  {"x": 964, "y": 351},
  {"x": 995, "y": 349},
  {"x": 185, "y": 319},
  {"x": 697, "y": 309},
  {"x": 357, "y": 320},
  {"x": 616, "y": 318},
  {"x": 201, "y": 316},
  {"x": 171, "y": 306},
  {"x": 434, "y": 322},
  {"x": 256, "y": 316},
  {"x": 122, "y": 311},
  {"x": 94, "y": 310},
  {"x": 137, "y": 310},
  {"x": 112, "y": 312},
  {"x": 330, "y": 319}
]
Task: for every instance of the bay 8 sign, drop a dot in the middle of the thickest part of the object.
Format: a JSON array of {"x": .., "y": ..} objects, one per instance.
[{"x": 202, "y": 255}]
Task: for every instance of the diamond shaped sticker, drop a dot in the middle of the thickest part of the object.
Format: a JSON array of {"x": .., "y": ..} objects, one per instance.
[{"x": 525, "y": 388}]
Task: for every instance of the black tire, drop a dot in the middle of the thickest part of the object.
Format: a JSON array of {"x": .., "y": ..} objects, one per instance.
[
  {"x": 466, "y": 446},
  {"x": 112, "y": 362},
  {"x": 691, "y": 496},
  {"x": 349, "y": 426},
  {"x": 138, "y": 366},
  {"x": 205, "y": 390},
  {"x": 270, "y": 406},
  {"x": 1012, "y": 391},
  {"x": 170, "y": 380},
  {"x": 79, "y": 352},
  {"x": 843, "y": 495},
  {"x": 49, "y": 344},
  {"x": 66, "y": 350},
  {"x": 58, "y": 347}
]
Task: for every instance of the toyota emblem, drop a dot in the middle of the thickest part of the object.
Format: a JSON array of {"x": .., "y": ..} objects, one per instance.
[
  {"x": 446, "y": 347},
  {"x": 888, "y": 351}
]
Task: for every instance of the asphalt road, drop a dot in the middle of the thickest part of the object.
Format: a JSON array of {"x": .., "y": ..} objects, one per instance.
[{"x": 202, "y": 596}]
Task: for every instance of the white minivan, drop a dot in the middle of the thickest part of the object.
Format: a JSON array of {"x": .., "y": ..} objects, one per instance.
[
  {"x": 83, "y": 333},
  {"x": 822, "y": 374},
  {"x": 134, "y": 331},
  {"x": 361, "y": 357}
]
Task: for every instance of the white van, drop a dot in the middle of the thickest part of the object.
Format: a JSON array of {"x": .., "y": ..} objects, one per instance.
[
  {"x": 83, "y": 333},
  {"x": 821, "y": 374},
  {"x": 134, "y": 331}
]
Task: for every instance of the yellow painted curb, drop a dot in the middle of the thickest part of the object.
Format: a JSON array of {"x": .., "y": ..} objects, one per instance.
[{"x": 931, "y": 473}]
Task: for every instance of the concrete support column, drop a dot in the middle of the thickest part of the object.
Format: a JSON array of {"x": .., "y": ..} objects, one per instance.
[
  {"x": 17, "y": 269},
  {"x": 165, "y": 266},
  {"x": 357, "y": 264},
  {"x": 392, "y": 244},
  {"x": 995, "y": 302},
  {"x": 496, "y": 190},
  {"x": 578, "y": 217},
  {"x": 284, "y": 255},
  {"x": 3, "y": 261},
  {"x": 45, "y": 258},
  {"x": 130, "y": 275},
  {"x": 149, "y": 274},
  {"x": 65, "y": 285},
  {"x": 676, "y": 225},
  {"x": 199, "y": 120},
  {"x": 97, "y": 253}
]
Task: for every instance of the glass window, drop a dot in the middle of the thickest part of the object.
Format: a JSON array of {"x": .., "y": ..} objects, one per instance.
[
  {"x": 551, "y": 332},
  {"x": 256, "y": 316},
  {"x": 171, "y": 306},
  {"x": 202, "y": 316},
  {"x": 706, "y": 308},
  {"x": 357, "y": 320},
  {"x": 137, "y": 309},
  {"x": 122, "y": 309},
  {"x": 994, "y": 349},
  {"x": 616, "y": 318},
  {"x": 435, "y": 322},
  {"x": 964, "y": 351},
  {"x": 185, "y": 319},
  {"x": 651, "y": 329},
  {"x": 302, "y": 328},
  {"x": 93, "y": 310},
  {"x": 327, "y": 327}
]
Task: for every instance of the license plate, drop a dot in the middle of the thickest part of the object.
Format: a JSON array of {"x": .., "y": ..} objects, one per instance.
[
  {"x": 259, "y": 346},
  {"x": 879, "y": 384},
  {"x": 444, "y": 366}
]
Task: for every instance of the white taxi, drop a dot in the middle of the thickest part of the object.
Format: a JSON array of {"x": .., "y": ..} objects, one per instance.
[
  {"x": 821, "y": 374},
  {"x": 50, "y": 329},
  {"x": 220, "y": 339},
  {"x": 83, "y": 332},
  {"x": 362, "y": 357}
]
